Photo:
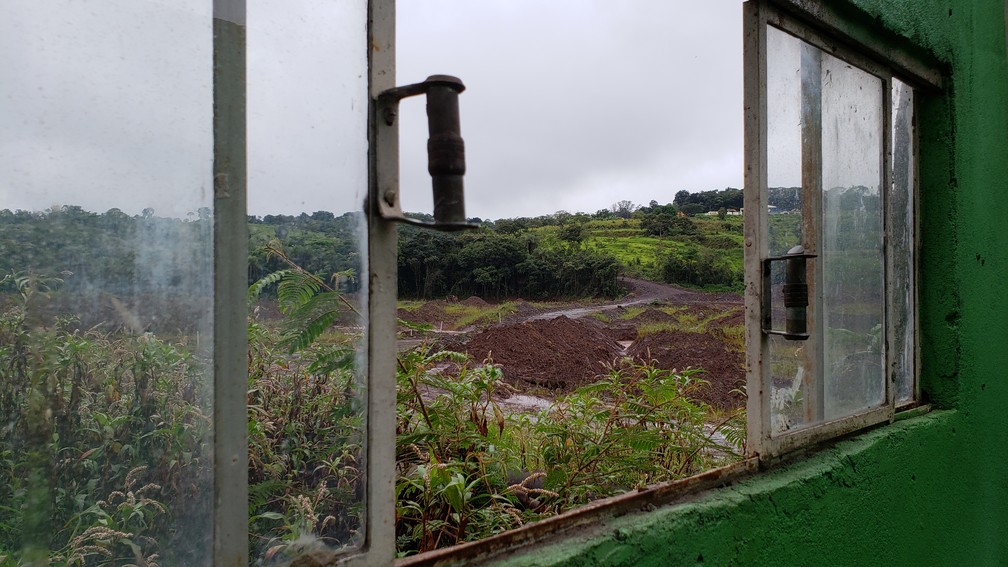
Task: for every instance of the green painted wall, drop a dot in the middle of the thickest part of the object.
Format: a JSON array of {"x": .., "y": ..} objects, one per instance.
[{"x": 930, "y": 490}]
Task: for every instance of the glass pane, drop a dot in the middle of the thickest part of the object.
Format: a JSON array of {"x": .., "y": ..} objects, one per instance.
[
  {"x": 901, "y": 241},
  {"x": 307, "y": 128},
  {"x": 851, "y": 255},
  {"x": 790, "y": 365},
  {"x": 824, "y": 159},
  {"x": 106, "y": 303}
]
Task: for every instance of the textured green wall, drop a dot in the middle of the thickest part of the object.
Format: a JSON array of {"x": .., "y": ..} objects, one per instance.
[{"x": 930, "y": 490}]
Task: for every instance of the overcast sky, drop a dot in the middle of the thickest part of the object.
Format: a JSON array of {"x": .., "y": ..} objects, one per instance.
[
  {"x": 575, "y": 104},
  {"x": 570, "y": 104}
]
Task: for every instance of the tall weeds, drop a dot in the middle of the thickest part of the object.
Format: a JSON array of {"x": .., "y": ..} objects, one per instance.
[
  {"x": 468, "y": 468},
  {"x": 104, "y": 443},
  {"x": 105, "y": 439}
]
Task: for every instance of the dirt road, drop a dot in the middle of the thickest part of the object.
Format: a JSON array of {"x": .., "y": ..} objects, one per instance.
[{"x": 641, "y": 292}]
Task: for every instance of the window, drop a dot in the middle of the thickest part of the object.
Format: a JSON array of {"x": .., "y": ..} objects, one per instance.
[
  {"x": 135, "y": 401},
  {"x": 124, "y": 427},
  {"x": 830, "y": 233}
]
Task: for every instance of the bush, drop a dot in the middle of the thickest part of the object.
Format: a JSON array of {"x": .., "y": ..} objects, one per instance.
[
  {"x": 699, "y": 268},
  {"x": 468, "y": 470},
  {"x": 104, "y": 442}
]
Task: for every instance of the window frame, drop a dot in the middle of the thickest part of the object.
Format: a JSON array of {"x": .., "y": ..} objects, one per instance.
[
  {"x": 820, "y": 27},
  {"x": 230, "y": 251},
  {"x": 834, "y": 33},
  {"x": 230, "y": 374}
]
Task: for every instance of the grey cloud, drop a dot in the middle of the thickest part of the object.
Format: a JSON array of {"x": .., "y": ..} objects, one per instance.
[
  {"x": 563, "y": 96},
  {"x": 570, "y": 104},
  {"x": 99, "y": 112}
]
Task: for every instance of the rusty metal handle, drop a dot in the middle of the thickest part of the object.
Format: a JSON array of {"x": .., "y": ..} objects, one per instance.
[
  {"x": 795, "y": 295},
  {"x": 445, "y": 150}
]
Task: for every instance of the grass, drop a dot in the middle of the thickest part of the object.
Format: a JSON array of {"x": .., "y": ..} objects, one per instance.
[
  {"x": 733, "y": 336},
  {"x": 631, "y": 312},
  {"x": 465, "y": 468},
  {"x": 644, "y": 256},
  {"x": 466, "y": 315},
  {"x": 410, "y": 304},
  {"x": 690, "y": 323}
]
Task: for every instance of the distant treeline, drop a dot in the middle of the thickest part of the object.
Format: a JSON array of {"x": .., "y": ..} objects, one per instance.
[
  {"x": 704, "y": 201},
  {"x": 143, "y": 254},
  {"x": 491, "y": 263},
  {"x": 322, "y": 243},
  {"x": 147, "y": 255},
  {"x": 784, "y": 198},
  {"x": 496, "y": 264},
  {"x": 110, "y": 252}
]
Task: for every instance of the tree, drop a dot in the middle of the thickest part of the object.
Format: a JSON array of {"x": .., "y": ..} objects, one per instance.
[
  {"x": 667, "y": 224},
  {"x": 511, "y": 226},
  {"x": 623, "y": 209},
  {"x": 561, "y": 216},
  {"x": 572, "y": 233}
]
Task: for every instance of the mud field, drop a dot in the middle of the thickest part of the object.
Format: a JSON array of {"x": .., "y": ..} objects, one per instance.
[{"x": 552, "y": 349}]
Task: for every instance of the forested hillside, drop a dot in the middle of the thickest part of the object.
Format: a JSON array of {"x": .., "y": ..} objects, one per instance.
[{"x": 694, "y": 241}]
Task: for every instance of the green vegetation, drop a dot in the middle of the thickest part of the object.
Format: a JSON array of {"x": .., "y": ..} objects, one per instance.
[
  {"x": 103, "y": 439},
  {"x": 558, "y": 256},
  {"x": 497, "y": 265},
  {"x": 106, "y": 427},
  {"x": 465, "y": 315},
  {"x": 684, "y": 322},
  {"x": 701, "y": 252},
  {"x": 106, "y": 438},
  {"x": 469, "y": 469}
]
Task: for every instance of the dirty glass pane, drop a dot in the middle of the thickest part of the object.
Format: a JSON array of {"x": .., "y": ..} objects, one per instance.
[
  {"x": 790, "y": 366},
  {"x": 307, "y": 142},
  {"x": 106, "y": 154},
  {"x": 825, "y": 141},
  {"x": 901, "y": 241},
  {"x": 851, "y": 254}
]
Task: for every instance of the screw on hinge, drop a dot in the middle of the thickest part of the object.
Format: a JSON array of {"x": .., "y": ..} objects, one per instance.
[
  {"x": 390, "y": 197},
  {"x": 390, "y": 115}
]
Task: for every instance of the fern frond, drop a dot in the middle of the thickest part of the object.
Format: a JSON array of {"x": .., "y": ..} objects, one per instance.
[
  {"x": 295, "y": 290},
  {"x": 318, "y": 303},
  {"x": 255, "y": 290},
  {"x": 303, "y": 336},
  {"x": 331, "y": 361}
]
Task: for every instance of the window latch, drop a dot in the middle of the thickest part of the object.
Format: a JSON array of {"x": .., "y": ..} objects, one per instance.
[
  {"x": 796, "y": 298},
  {"x": 445, "y": 151}
]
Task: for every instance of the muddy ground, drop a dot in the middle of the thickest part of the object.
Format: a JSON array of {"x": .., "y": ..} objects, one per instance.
[{"x": 549, "y": 350}]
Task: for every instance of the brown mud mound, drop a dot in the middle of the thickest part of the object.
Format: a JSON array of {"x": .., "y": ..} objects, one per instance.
[
  {"x": 621, "y": 332},
  {"x": 559, "y": 354},
  {"x": 432, "y": 312},
  {"x": 676, "y": 349},
  {"x": 407, "y": 315},
  {"x": 735, "y": 316},
  {"x": 475, "y": 301},
  {"x": 445, "y": 341},
  {"x": 652, "y": 315}
]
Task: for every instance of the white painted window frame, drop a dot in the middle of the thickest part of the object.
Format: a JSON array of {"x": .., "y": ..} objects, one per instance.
[
  {"x": 824, "y": 27},
  {"x": 230, "y": 522}
]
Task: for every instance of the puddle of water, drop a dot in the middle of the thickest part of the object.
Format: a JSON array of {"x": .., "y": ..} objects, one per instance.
[{"x": 527, "y": 402}]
